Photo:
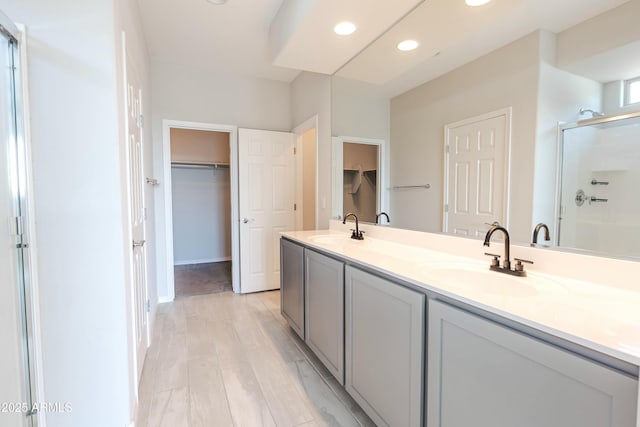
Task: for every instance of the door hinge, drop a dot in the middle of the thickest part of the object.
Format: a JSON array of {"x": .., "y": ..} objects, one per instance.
[
  {"x": 295, "y": 207},
  {"x": 447, "y": 148},
  {"x": 148, "y": 306},
  {"x": 144, "y": 214},
  {"x": 446, "y": 208},
  {"x": 295, "y": 151},
  {"x": 140, "y": 121},
  {"x": 19, "y": 225}
]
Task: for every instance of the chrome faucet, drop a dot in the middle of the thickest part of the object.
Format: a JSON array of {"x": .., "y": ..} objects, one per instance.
[
  {"x": 536, "y": 231},
  {"x": 506, "y": 262},
  {"x": 356, "y": 234},
  {"x": 381, "y": 214}
]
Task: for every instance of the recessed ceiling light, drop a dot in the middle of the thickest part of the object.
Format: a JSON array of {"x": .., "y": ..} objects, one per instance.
[
  {"x": 407, "y": 45},
  {"x": 217, "y": 1},
  {"x": 344, "y": 28},
  {"x": 476, "y": 2}
]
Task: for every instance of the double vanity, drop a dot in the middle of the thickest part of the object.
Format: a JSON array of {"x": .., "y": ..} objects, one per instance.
[{"x": 421, "y": 332}]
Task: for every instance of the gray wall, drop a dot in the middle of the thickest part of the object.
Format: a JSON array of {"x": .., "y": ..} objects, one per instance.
[
  {"x": 201, "y": 215},
  {"x": 310, "y": 96},
  {"x": 187, "y": 94},
  {"x": 506, "y": 77}
]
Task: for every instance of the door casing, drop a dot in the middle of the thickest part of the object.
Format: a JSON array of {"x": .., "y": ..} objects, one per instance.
[{"x": 167, "y": 125}]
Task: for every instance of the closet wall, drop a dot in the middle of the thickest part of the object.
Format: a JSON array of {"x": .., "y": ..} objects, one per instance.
[
  {"x": 201, "y": 196},
  {"x": 360, "y": 180}
]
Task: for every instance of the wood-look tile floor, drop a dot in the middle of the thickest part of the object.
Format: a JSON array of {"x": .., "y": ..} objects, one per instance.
[{"x": 231, "y": 360}]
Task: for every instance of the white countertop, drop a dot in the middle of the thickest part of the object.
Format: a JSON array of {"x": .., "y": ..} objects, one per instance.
[{"x": 599, "y": 317}]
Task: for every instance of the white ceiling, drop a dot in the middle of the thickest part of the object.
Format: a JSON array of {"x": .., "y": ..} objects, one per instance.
[
  {"x": 275, "y": 39},
  {"x": 308, "y": 41},
  {"x": 238, "y": 37},
  {"x": 229, "y": 38},
  {"x": 452, "y": 34}
]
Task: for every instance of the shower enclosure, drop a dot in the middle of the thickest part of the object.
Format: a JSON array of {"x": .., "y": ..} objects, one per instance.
[
  {"x": 17, "y": 370},
  {"x": 599, "y": 197}
]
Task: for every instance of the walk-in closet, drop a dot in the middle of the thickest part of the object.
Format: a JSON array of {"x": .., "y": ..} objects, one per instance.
[{"x": 201, "y": 203}]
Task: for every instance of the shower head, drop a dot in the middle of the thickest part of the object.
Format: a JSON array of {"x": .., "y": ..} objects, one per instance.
[{"x": 593, "y": 113}]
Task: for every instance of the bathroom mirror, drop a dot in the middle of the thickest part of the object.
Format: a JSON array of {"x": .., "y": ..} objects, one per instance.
[{"x": 544, "y": 70}]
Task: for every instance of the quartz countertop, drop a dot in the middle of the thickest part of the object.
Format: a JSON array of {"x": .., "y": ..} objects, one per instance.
[{"x": 603, "y": 318}]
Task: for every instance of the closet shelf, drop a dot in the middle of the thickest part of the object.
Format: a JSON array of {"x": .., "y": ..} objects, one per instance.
[{"x": 194, "y": 165}]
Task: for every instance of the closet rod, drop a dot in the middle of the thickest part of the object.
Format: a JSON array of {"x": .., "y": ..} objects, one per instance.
[{"x": 199, "y": 165}]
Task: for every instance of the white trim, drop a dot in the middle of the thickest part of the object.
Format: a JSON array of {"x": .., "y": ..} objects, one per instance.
[
  {"x": 235, "y": 221},
  {"x": 310, "y": 123},
  {"x": 558, "y": 193},
  {"x": 382, "y": 204},
  {"x": 164, "y": 300},
  {"x": 14, "y": 30},
  {"x": 202, "y": 261},
  {"x": 507, "y": 112},
  {"x": 33, "y": 241},
  {"x": 299, "y": 180}
]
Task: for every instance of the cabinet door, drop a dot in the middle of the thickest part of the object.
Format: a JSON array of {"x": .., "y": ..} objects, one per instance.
[
  {"x": 324, "y": 280},
  {"x": 292, "y": 285},
  {"x": 384, "y": 348},
  {"x": 486, "y": 375}
]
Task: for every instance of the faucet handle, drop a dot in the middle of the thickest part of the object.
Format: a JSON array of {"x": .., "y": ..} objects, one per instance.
[
  {"x": 358, "y": 235},
  {"x": 519, "y": 266},
  {"x": 495, "y": 261}
]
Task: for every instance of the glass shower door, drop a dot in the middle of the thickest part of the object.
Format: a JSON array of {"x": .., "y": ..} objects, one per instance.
[{"x": 16, "y": 393}]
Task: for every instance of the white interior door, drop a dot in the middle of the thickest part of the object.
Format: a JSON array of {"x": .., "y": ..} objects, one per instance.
[
  {"x": 14, "y": 339},
  {"x": 266, "y": 197},
  {"x": 476, "y": 169},
  {"x": 137, "y": 215}
]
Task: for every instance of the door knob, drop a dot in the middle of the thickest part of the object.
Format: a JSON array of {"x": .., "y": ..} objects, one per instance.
[{"x": 247, "y": 220}]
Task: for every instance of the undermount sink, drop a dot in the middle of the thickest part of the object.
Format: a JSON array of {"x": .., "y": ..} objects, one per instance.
[
  {"x": 330, "y": 239},
  {"x": 483, "y": 280}
]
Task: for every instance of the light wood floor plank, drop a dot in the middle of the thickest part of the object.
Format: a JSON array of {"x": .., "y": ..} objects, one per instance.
[
  {"x": 232, "y": 360},
  {"x": 246, "y": 401},
  {"x": 208, "y": 398}
]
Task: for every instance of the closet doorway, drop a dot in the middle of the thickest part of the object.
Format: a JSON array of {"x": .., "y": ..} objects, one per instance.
[{"x": 201, "y": 210}]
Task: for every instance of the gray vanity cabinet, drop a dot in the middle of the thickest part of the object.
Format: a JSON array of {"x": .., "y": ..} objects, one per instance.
[
  {"x": 484, "y": 374},
  {"x": 385, "y": 325},
  {"x": 324, "y": 306},
  {"x": 292, "y": 285}
]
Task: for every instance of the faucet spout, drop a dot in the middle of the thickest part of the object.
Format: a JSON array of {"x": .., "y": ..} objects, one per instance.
[
  {"x": 536, "y": 232},
  {"x": 357, "y": 234},
  {"x": 506, "y": 263},
  {"x": 382, "y": 214}
]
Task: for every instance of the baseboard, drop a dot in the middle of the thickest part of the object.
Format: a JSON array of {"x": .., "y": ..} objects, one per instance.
[{"x": 201, "y": 261}]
